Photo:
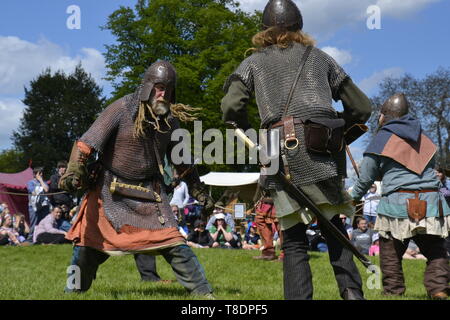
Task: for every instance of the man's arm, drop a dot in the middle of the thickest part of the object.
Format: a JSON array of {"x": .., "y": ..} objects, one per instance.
[
  {"x": 357, "y": 106},
  {"x": 370, "y": 170},
  {"x": 234, "y": 104}
]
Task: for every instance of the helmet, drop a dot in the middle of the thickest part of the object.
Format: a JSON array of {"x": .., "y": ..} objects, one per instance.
[
  {"x": 395, "y": 107},
  {"x": 282, "y": 13},
  {"x": 159, "y": 72}
]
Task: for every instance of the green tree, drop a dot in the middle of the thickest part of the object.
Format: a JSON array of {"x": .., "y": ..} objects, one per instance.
[
  {"x": 12, "y": 161},
  {"x": 59, "y": 109},
  {"x": 429, "y": 100},
  {"x": 204, "y": 39}
]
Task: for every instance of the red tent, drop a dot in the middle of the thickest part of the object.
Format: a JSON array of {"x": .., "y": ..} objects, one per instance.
[{"x": 17, "y": 183}]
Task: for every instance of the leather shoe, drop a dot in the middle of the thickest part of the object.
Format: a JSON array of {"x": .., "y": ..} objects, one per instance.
[{"x": 439, "y": 296}]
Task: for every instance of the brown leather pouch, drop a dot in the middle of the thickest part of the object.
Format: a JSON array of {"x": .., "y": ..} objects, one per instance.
[
  {"x": 417, "y": 209},
  {"x": 133, "y": 191},
  {"x": 324, "y": 136}
]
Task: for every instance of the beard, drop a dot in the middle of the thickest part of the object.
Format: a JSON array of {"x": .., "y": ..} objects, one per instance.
[{"x": 160, "y": 108}]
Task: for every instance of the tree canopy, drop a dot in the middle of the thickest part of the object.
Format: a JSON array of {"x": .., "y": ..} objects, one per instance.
[
  {"x": 429, "y": 100},
  {"x": 59, "y": 109},
  {"x": 204, "y": 39}
]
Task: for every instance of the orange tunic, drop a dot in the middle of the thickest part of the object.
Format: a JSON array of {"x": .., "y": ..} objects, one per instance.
[{"x": 92, "y": 229}]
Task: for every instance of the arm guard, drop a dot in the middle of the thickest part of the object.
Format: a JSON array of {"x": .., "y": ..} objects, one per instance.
[{"x": 76, "y": 175}]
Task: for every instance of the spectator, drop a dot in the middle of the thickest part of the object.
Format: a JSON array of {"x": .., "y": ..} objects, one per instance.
[
  {"x": 200, "y": 237},
  {"x": 221, "y": 232},
  {"x": 181, "y": 221},
  {"x": 47, "y": 231},
  {"x": 62, "y": 198},
  {"x": 228, "y": 219},
  {"x": 348, "y": 227},
  {"x": 38, "y": 204},
  {"x": 180, "y": 193},
  {"x": 267, "y": 225},
  {"x": 316, "y": 241},
  {"x": 445, "y": 190},
  {"x": 4, "y": 209},
  {"x": 362, "y": 236},
  {"x": 21, "y": 226},
  {"x": 445, "y": 185},
  {"x": 371, "y": 200},
  {"x": 192, "y": 211},
  {"x": 252, "y": 240},
  {"x": 375, "y": 247},
  {"x": 65, "y": 222},
  {"x": 7, "y": 231},
  {"x": 413, "y": 252}
]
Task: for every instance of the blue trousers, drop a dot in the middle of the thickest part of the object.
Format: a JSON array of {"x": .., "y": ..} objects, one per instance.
[{"x": 182, "y": 259}]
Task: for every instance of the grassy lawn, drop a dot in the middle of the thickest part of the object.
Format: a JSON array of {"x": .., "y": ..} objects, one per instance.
[{"x": 38, "y": 272}]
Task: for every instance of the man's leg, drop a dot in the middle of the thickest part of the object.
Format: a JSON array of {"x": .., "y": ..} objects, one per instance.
[
  {"x": 265, "y": 231},
  {"x": 297, "y": 275},
  {"x": 341, "y": 259},
  {"x": 437, "y": 271},
  {"x": 33, "y": 222},
  {"x": 86, "y": 260},
  {"x": 187, "y": 269},
  {"x": 391, "y": 253},
  {"x": 146, "y": 265}
]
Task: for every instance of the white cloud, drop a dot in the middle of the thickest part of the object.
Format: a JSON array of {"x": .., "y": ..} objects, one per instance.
[
  {"x": 341, "y": 56},
  {"x": 11, "y": 111},
  {"x": 323, "y": 17},
  {"x": 369, "y": 84},
  {"x": 21, "y": 61}
]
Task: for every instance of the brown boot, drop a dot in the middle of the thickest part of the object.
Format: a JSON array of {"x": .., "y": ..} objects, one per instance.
[{"x": 440, "y": 296}]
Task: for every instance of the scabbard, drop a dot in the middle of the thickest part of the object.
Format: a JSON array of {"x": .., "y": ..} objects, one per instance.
[
  {"x": 132, "y": 191},
  {"x": 304, "y": 200}
]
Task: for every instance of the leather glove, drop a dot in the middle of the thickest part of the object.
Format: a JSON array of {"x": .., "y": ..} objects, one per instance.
[{"x": 75, "y": 178}]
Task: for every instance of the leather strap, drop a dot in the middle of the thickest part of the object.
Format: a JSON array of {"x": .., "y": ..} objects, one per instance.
[
  {"x": 289, "y": 128},
  {"x": 302, "y": 63},
  {"x": 281, "y": 123}
]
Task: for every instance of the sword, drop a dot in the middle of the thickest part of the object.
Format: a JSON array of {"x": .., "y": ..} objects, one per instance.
[{"x": 303, "y": 199}]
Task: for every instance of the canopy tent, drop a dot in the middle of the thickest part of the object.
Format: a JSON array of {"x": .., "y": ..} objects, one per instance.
[
  {"x": 230, "y": 179},
  {"x": 16, "y": 183},
  {"x": 244, "y": 182}
]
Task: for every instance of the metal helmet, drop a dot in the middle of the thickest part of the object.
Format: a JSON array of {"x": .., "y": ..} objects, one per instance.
[
  {"x": 282, "y": 13},
  {"x": 395, "y": 107},
  {"x": 159, "y": 72}
]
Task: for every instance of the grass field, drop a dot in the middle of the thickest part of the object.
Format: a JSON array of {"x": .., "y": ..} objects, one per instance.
[{"x": 38, "y": 272}]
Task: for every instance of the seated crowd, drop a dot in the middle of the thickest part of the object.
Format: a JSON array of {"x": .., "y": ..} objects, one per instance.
[{"x": 51, "y": 218}]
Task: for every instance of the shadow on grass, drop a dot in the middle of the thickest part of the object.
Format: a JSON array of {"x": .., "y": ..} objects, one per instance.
[{"x": 150, "y": 292}]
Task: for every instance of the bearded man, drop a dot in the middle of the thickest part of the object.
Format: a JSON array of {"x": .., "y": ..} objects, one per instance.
[
  {"x": 285, "y": 54},
  {"x": 411, "y": 206},
  {"x": 126, "y": 210}
]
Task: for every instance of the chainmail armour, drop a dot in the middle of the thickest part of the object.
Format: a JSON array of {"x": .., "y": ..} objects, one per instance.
[
  {"x": 270, "y": 73},
  {"x": 132, "y": 161}
]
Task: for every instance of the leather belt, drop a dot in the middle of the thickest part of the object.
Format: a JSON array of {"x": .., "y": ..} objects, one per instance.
[
  {"x": 417, "y": 191},
  {"x": 281, "y": 123}
]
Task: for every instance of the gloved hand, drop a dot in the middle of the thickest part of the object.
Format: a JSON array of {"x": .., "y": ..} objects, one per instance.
[{"x": 75, "y": 178}]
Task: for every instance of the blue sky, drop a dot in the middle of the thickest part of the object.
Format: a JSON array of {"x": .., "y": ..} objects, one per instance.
[{"x": 414, "y": 38}]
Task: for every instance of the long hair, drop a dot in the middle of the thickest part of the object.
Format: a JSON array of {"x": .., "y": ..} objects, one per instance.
[
  {"x": 181, "y": 111},
  {"x": 281, "y": 37}
]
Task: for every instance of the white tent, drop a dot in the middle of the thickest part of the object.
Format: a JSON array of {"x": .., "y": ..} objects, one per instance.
[{"x": 230, "y": 179}]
